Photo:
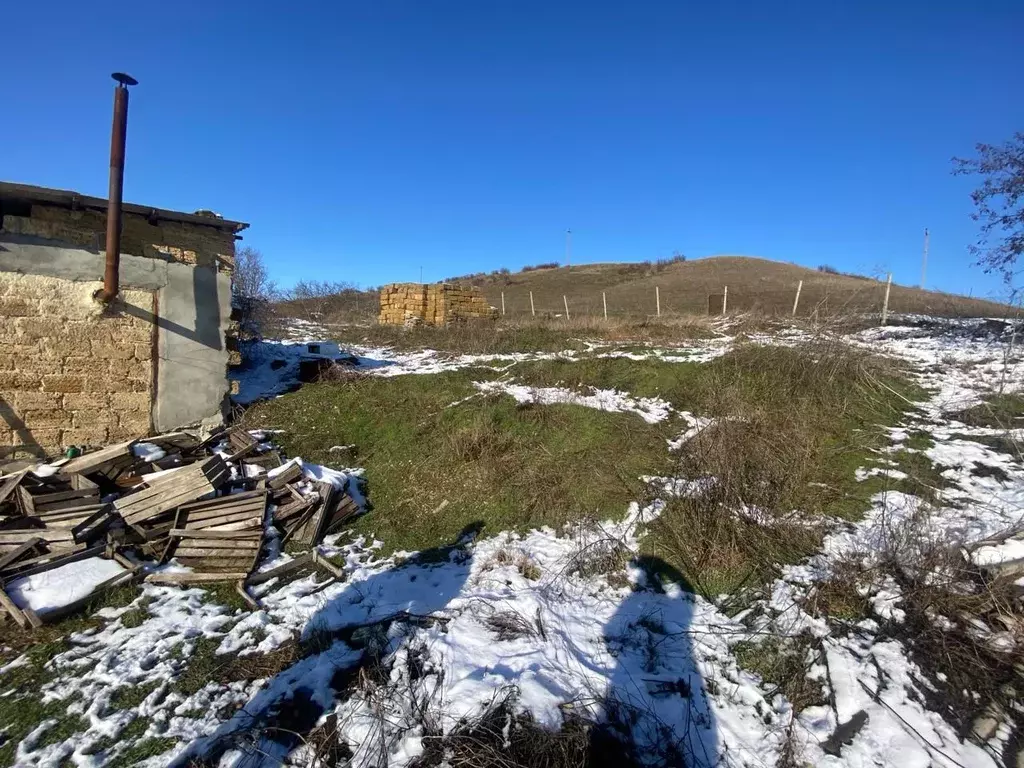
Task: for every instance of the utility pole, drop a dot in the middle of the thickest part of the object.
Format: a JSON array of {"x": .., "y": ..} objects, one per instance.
[
  {"x": 924, "y": 257},
  {"x": 421, "y": 275},
  {"x": 568, "y": 248}
]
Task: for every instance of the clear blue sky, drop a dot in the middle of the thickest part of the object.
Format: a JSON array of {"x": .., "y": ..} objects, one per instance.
[{"x": 363, "y": 140}]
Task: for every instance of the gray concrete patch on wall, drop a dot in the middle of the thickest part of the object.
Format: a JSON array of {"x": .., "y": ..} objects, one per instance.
[
  {"x": 36, "y": 256},
  {"x": 194, "y": 309}
]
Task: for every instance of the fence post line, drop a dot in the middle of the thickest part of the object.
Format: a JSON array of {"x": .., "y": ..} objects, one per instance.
[
  {"x": 796, "y": 301},
  {"x": 885, "y": 304},
  {"x": 725, "y": 299},
  {"x": 604, "y": 300},
  {"x": 566, "y": 302},
  {"x": 502, "y": 303},
  {"x": 533, "y": 313},
  {"x": 657, "y": 300}
]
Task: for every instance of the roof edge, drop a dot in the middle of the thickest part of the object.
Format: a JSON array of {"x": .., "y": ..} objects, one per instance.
[{"x": 70, "y": 199}]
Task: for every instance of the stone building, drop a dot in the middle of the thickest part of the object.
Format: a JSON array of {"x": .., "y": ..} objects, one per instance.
[
  {"x": 76, "y": 372},
  {"x": 434, "y": 304}
]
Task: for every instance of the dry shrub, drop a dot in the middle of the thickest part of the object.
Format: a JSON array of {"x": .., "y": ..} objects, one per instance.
[
  {"x": 768, "y": 464},
  {"x": 510, "y": 625},
  {"x": 740, "y": 524},
  {"x": 502, "y": 738},
  {"x": 963, "y": 626}
]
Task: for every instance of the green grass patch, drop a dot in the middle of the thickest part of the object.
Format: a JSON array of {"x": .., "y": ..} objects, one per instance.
[
  {"x": 130, "y": 696},
  {"x": 141, "y": 750},
  {"x": 793, "y": 426},
  {"x": 784, "y": 664},
  {"x": 996, "y": 412},
  {"x": 433, "y": 470}
]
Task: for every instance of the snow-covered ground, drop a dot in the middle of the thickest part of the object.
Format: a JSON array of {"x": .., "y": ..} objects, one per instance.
[{"x": 531, "y": 615}]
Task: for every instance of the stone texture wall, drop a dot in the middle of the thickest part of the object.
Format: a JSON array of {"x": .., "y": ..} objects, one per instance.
[
  {"x": 168, "y": 240},
  {"x": 435, "y": 304},
  {"x": 69, "y": 374}
]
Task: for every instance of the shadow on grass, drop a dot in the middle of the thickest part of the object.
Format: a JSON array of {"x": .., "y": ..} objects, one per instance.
[{"x": 346, "y": 637}]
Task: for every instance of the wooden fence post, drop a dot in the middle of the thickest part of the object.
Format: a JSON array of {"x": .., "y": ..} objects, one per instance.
[
  {"x": 657, "y": 300},
  {"x": 533, "y": 312},
  {"x": 566, "y": 302},
  {"x": 796, "y": 301},
  {"x": 725, "y": 299},
  {"x": 604, "y": 300},
  {"x": 885, "y": 304},
  {"x": 502, "y": 303}
]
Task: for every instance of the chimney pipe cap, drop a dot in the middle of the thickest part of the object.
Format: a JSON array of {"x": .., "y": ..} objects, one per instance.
[{"x": 124, "y": 79}]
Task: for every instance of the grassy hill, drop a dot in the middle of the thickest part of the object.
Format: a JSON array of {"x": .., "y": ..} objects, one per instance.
[{"x": 754, "y": 284}]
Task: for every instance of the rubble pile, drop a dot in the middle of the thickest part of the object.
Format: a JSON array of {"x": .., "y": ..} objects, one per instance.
[{"x": 170, "y": 509}]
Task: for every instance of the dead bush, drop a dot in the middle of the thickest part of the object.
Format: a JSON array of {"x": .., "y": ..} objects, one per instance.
[{"x": 502, "y": 738}]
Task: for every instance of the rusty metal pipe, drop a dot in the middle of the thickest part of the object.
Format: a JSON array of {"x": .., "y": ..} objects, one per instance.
[{"x": 118, "y": 132}]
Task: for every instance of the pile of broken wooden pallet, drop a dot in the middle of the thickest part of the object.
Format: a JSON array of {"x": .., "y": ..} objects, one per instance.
[{"x": 205, "y": 505}]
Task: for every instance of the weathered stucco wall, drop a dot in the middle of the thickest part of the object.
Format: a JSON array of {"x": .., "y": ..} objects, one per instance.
[
  {"x": 170, "y": 320},
  {"x": 68, "y": 375},
  {"x": 194, "y": 313},
  {"x": 166, "y": 240}
]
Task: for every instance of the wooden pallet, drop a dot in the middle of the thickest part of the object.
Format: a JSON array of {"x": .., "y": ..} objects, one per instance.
[
  {"x": 236, "y": 511},
  {"x": 109, "y": 462},
  {"x": 215, "y": 552},
  {"x": 58, "y": 493},
  {"x": 172, "y": 490}
]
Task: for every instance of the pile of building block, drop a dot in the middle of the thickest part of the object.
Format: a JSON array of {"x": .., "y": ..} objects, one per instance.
[
  {"x": 434, "y": 304},
  {"x": 174, "y": 509}
]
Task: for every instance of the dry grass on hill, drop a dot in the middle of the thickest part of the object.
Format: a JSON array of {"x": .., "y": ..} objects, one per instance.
[{"x": 754, "y": 285}]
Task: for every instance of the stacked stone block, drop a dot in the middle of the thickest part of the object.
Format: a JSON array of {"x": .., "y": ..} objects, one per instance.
[
  {"x": 69, "y": 373},
  {"x": 435, "y": 304}
]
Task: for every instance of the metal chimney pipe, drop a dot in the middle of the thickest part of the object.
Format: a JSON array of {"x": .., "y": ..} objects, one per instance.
[{"x": 117, "y": 140}]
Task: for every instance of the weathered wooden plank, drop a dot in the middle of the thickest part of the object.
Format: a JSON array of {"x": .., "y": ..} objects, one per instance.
[
  {"x": 215, "y": 554},
  {"x": 19, "y": 552},
  {"x": 93, "y": 462},
  {"x": 213, "y": 535},
  {"x": 310, "y": 530},
  {"x": 251, "y": 542},
  {"x": 256, "y": 505},
  {"x": 47, "y": 534},
  {"x": 289, "y": 475},
  {"x": 63, "y": 514},
  {"x": 15, "y": 612},
  {"x": 8, "y": 483},
  {"x": 243, "y": 496},
  {"x": 251, "y": 519},
  {"x": 73, "y": 493},
  {"x": 194, "y": 578},
  {"x": 55, "y": 562},
  {"x": 251, "y": 601},
  {"x": 182, "y": 479},
  {"x": 344, "y": 511},
  {"x": 15, "y": 569},
  {"x": 300, "y": 562},
  {"x": 96, "y": 524},
  {"x": 218, "y": 565}
]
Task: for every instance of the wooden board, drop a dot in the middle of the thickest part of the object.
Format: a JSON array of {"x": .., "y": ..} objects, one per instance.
[
  {"x": 310, "y": 529},
  {"x": 101, "y": 460},
  {"x": 173, "y": 490}
]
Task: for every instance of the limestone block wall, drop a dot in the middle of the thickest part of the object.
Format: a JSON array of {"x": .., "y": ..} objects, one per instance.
[
  {"x": 434, "y": 304},
  {"x": 69, "y": 374}
]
